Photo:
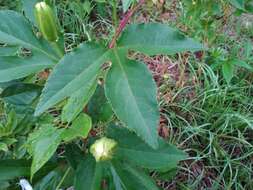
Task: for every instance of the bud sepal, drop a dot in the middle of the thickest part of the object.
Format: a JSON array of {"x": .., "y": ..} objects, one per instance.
[
  {"x": 46, "y": 21},
  {"x": 103, "y": 149}
]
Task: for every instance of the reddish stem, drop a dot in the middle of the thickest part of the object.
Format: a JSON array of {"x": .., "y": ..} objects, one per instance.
[{"x": 124, "y": 22}]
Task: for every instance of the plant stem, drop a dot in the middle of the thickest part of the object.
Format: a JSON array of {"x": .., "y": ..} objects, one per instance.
[
  {"x": 114, "y": 13},
  {"x": 57, "y": 49},
  {"x": 87, "y": 33},
  {"x": 63, "y": 178},
  {"x": 124, "y": 22}
]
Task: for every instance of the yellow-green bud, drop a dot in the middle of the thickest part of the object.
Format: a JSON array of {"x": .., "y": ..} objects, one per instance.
[
  {"x": 103, "y": 149},
  {"x": 46, "y": 21}
]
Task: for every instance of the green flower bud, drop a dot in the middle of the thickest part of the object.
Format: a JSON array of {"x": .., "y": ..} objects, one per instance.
[
  {"x": 103, "y": 149},
  {"x": 46, "y": 21}
]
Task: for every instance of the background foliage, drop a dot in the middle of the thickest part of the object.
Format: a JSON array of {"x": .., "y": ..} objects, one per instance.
[{"x": 205, "y": 99}]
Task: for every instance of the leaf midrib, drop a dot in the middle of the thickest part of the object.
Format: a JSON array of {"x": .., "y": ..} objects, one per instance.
[
  {"x": 78, "y": 76},
  {"x": 13, "y": 69},
  {"x": 24, "y": 66},
  {"x": 31, "y": 46},
  {"x": 135, "y": 103},
  {"x": 138, "y": 45},
  {"x": 140, "y": 151}
]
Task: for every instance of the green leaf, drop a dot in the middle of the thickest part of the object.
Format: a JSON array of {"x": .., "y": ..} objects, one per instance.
[
  {"x": 133, "y": 149},
  {"x": 228, "y": 71},
  {"x": 3, "y": 147},
  {"x": 10, "y": 169},
  {"x": 10, "y": 125},
  {"x": 74, "y": 71},
  {"x": 99, "y": 108},
  {"x": 9, "y": 141},
  {"x": 61, "y": 177},
  {"x": 14, "y": 67},
  {"x": 131, "y": 178},
  {"x": 239, "y": 4},
  {"x": 20, "y": 88},
  {"x": 131, "y": 91},
  {"x": 21, "y": 94},
  {"x": 155, "y": 38},
  {"x": 126, "y": 4},
  {"x": 88, "y": 175},
  {"x": 115, "y": 181},
  {"x": 81, "y": 127},
  {"x": 16, "y": 30},
  {"x": 9, "y": 50},
  {"x": 42, "y": 144},
  {"x": 49, "y": 182},
  {"x": 248, "y": 49},
  {"x": 28, "y": 8},
  {"x": 168, "y": 175},
  {"x": 73, "y": 154},
  {"x": 243, "y": 64},
  {"x": 78, "y": 101}
]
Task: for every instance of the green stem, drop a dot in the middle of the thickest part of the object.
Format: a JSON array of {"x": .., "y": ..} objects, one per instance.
[
  {"x": 63, "y": 178},
  {"x": 87, "y": 33},
  {"x": 124, "y": 22},
  {"x": 57, "y": 49},
  {"x": 114, "y": 13}
]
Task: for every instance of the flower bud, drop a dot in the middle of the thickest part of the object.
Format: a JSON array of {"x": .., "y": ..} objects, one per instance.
[
  {"x": 103, "y": 149},
  {"x": 46, "y": 21}
]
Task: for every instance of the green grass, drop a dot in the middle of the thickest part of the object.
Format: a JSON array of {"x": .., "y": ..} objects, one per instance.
[
  {"x": 82, "y": 21},
  {"x": 215, "y": 128},
  {"x": 211, "y": 120},
  {"x": 10, "y": 4}
]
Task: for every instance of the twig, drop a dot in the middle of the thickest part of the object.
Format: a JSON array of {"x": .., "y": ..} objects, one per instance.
[
  {"x": 63, "y": 178},
  {"x": 124, "y": 22}
]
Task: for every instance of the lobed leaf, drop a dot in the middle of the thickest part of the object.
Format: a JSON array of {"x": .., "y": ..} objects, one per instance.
[
  {"x": 20, "y": 88},
  {"x": 42, "y": 144},
  {"x": 81, "y": 127},
  {"x": 76, "y": 70},
  {"x": 133, "y": 149},
  {"x": 88, "y": 175},
  {"x": 156, "y": 38},
  {"x": 131, "y": 178},
  {"x": 16, "y": 30},
  {"x": 99, "y": 108},
  {"x": 131, "y": 90},
  {"x": 74, "y": 154},
  {"x": 22, "y": 95},
  {"x": 78, "y": 101},
  {"x": 28, "y": 8},
  {"x": 9, "y": 50},
  {"x": 11, "y": 169},
  {"x": 14, "y": 67}
]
